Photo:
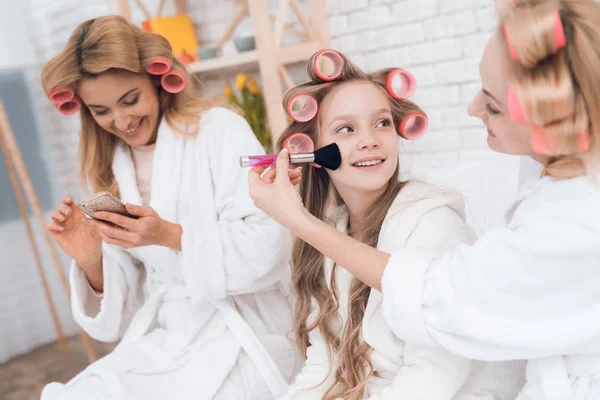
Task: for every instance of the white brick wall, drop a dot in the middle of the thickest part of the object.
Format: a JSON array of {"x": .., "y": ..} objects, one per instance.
[{"x": 439, "y": 40}]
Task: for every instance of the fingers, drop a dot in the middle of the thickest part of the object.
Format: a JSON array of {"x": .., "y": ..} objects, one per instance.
[
  {"x": 58, "y": 217},
  {"x": 139, "y": 211},
  {"x": 68, "y": 200},
  {"x": 295, "y": 173},
  {"x": 125, "y": 222},
  {"x": 65, "y": 210},
  {"x": 282, "y": 165},
  {"x": 117, "y": 242},
  {"x": 54, "y": 227},
  {"x": 254, "y": 176},
  {"x": 111, "y": 232},
  {"x": 269, "y": 176},
  {"x": 296, "y": 181}
]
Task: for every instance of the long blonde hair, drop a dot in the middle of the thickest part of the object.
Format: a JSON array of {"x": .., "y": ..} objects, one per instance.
[
  {"x": 559, "y": 88},
  {"x": 316, "y": 191},
  {"x": 111, "y": 43}
]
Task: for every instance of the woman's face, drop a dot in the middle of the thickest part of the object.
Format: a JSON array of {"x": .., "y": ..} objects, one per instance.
[
  {"x": 124, "y": 104},
  {"x": 490, "y": 104}
]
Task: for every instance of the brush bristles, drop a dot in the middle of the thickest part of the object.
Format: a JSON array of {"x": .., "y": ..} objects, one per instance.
[{"x": 329, "y": 156}]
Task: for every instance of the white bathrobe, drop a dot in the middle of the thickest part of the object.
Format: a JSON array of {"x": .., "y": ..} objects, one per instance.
[
  {"x": 432, "y": 219},
  {"x": 211, "y": 321},
  {"x": 528, "y": 290}
]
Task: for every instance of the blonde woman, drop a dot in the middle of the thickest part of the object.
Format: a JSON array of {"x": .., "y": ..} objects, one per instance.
[
  {"x": 194, "y": 287},
  {"x": 527, "y": 290},
  {"x": 351, "y": 352}
]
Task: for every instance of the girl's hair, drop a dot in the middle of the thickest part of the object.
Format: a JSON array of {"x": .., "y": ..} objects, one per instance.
[
  {"x": 307, "y": 263},
  {"x": 558, "y": 86},
  {"x": 112, "y": 44}
]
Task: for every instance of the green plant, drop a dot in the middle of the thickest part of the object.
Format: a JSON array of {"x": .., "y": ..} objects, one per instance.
[{"x": 251, "y": 102}]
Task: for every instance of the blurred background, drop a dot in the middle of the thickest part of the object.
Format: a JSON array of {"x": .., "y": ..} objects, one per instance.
[{"x": 439, "y": 41}]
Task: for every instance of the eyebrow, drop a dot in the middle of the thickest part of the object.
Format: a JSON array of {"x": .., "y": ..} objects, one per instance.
[
  {"x": 491, "y": 96},
  {"x": 343, "y": 117},
  {"x": 120, "y": 98}
]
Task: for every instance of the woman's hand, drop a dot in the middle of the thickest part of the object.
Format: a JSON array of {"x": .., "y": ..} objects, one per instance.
[
  {"x": 274, "y": 192},
  {"x": 148, "y": 229},
  {"x": 74, "y": 233}
]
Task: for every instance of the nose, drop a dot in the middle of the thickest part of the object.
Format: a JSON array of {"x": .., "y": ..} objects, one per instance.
[
  {"x": 476, "y": 108},
  {"x": 122, "y": 120},
  {"x": 368, "y": 140}
]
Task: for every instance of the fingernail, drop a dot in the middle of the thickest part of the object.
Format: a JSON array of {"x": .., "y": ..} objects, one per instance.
[
  {"x": 299, "y": 169},
  {"x": 283, "y": 153}
]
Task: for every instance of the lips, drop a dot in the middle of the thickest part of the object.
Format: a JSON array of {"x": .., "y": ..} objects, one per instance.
[
  {"x": 368, "y": 162},
  {"x": 132, "y": 131}
]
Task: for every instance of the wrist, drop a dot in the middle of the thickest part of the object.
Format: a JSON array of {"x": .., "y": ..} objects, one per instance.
[
  {"x": 302, "y": 224},
  {"x": 171, "y": 236}
]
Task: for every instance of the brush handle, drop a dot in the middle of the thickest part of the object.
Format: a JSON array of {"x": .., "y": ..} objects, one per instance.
[
  {"x": 269, "y": 159},
  {"x": 263, "y": 161}
]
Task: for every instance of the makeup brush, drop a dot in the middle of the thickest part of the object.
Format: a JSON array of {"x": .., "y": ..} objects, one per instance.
[{"x": 328, "y": 157}]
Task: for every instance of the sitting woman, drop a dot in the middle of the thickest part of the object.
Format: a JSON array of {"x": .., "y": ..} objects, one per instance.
[{"x": 194, "y": 287}]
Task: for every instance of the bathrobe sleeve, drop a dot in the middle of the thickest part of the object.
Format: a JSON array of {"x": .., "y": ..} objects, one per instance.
[
  {"x": 429, "y": 371},
  {"x": 316, "y": 376},
  {"x": 106, "y": 317},
  {"x": 526, "y": 290},
  {"x": 232, "y": 247}
]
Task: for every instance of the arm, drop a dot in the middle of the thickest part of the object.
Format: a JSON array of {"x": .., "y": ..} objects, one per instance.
[
  {"x": 106, "y": 317},
  {"x": 429, "y": 372},
  {"x": 535, "y": 281},
  {"x": 229, "y": 246}
]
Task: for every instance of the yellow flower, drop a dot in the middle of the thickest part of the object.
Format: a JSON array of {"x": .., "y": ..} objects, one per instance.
[
  {"x": 227, "y": 91},
  {"x": 253, "y": 87},
  {"x": 240, "y": 81}
]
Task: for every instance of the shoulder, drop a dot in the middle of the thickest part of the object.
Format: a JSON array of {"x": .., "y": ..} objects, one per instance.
[
  {"x": 564, "y": 202},
  {"x": 218, "y": 116},
  {"x": 223, "y": 127},
  {"x": 418, "y": 198},
  {"x": 423, "y": 213}
]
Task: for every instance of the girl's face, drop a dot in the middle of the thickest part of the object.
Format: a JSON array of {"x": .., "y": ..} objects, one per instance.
[
  {"x": 357, "y": 116},
  {"x": 123, "y": 104},
  {"x": 490, "y": 104}
]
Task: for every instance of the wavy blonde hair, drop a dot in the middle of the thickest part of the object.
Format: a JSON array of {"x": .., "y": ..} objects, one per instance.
[
  {"x": 317, "y": 192},
  {"x": 559, "y": 89},
  {"x": 107, "y": 44}
]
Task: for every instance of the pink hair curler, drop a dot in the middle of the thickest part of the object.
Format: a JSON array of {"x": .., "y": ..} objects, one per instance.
[
  {"x": 515, "y": 111},
  {"x": 413, "y": 126},
  {"x": 159, "y": 66},
  {"x": 401, "y": 84},
  {"x": 539, "y": 141},
  {"x": 299, "y": 143},
  {"x": 302, "y": 107},
  {"x": 541, "y": 145},
  {"x": 69, "y": 107},
  {"x": 584, "y": 141},
  {"x": 61, "y": 95},
  {"x": 173, "y": 81},
  {"x": 337, "y": 65},
  {"x": 560, "y": 40}
]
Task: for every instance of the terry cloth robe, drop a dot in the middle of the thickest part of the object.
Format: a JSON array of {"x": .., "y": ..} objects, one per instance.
[
  {"x": 529, "y": 290},
  {"x": 426, "y": 217},
  {"x": 220, "y": 309}
]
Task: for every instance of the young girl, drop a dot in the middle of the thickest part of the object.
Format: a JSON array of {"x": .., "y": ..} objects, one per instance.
[
  {"x": 528, "y": 290},
  {"x": 351, "y": 352},
  {"x": 195, "y": 286}
]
